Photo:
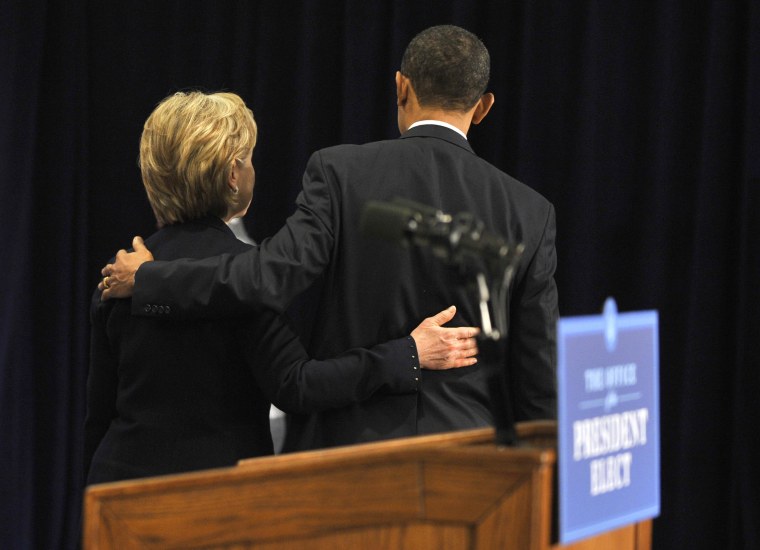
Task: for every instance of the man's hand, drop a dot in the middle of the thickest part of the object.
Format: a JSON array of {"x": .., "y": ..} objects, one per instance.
[
  {"x": 442, "y": 348},
  {"x": 119, "y": 277}
]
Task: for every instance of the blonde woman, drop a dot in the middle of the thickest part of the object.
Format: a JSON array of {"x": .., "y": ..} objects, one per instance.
[{"x": 172, "y": 397}]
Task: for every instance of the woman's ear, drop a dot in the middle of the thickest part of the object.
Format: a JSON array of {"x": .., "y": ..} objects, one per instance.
[{"x": 232, "y": 181}]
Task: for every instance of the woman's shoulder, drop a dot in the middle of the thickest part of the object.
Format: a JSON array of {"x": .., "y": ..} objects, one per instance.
[{"x": 196, "y": 239}]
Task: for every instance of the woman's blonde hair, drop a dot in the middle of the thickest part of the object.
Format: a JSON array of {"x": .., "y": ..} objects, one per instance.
[{"x": 187, "y": 148}]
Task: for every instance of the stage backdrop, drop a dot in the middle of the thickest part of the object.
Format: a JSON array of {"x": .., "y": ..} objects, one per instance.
[{"x": 639, "y": 121}]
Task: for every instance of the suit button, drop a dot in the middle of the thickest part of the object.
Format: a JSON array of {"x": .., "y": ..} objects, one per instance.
[
  {"x": 153, "y": 308},
  {"x": 168, "y": 310},
  {"x": 161, "y": 309},
  {"x": 147, "y": 308}
]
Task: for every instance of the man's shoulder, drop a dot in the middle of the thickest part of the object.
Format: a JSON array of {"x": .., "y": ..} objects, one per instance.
[
  {"x": 517, "y": 191},
  {"x": 405, "y": 152},
  {"x": 350, "y": 149},
  {"x": 357, "y": 157},
  {"x": 522, "y": 190}
]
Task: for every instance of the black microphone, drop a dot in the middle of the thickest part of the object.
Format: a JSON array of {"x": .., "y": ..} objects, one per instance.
[
  {"x": 389, "y": 221},
  {"x": 460, "y": 239}
]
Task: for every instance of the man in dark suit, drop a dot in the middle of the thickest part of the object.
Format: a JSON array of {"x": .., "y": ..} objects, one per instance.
[{"x": 370, "y": 290}]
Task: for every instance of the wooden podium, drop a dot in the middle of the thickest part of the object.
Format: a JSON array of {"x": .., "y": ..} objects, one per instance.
[{"x": 448, "y": 491}]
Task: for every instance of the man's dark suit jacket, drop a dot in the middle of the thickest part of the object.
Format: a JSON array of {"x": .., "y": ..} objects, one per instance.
[
  {"x": 373, "y": 290},
  {"x": 166, "y": 397}
]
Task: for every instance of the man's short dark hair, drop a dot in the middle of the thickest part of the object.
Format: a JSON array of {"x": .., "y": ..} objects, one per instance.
[{"x": 448, "y": 67}]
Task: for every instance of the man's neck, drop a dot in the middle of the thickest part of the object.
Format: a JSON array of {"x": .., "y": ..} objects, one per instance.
[
  {"x": 458, "y": 120},
  {"x": 438, "y": 123}
]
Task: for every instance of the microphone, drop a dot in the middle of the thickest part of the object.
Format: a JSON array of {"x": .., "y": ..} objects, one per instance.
[
  {"x": 460, "y": 239},
  {"x": 390, "y": 222}
]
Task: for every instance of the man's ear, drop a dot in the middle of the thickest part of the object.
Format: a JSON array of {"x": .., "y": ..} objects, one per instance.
[
  {"x": 402, "y": 89},
  {"x": 482, "y": 107}
]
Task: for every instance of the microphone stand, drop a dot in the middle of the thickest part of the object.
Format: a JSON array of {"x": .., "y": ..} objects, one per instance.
[
  {"x": 485, "y": 260},
  {"x": 491, "y": 279},
  {"x": 492, "y": 345}
]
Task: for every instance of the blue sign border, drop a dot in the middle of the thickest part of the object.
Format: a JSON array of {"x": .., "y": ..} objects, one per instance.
[{"x": 611, "y": 324}]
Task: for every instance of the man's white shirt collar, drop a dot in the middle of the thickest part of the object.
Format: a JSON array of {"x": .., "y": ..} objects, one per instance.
[{"x": 439, "y": 123}]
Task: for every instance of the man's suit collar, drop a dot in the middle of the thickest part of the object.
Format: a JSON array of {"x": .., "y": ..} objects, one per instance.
[{"x": 440, "y": 132}]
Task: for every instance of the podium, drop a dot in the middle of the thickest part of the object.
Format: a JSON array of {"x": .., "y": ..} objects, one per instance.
[{"x": 449, "y": 491}]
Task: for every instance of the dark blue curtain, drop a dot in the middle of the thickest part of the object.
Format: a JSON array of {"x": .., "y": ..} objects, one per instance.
[{"x": 639, "y": 121}]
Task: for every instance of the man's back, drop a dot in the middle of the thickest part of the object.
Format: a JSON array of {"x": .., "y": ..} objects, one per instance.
[{"x": 371, "y": 289}]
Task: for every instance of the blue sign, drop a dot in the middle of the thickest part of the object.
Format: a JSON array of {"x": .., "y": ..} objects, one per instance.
[{"x": 609, "y": 437}]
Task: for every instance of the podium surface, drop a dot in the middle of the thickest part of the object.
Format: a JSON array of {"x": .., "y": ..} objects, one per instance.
[{"x": 449, "y": 491}]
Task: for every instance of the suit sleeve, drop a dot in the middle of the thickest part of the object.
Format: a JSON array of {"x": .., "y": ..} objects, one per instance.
[
  {"x": 532, "y": 334},
  {"x": 298, "y": 384},
  {"x": 268, "y": 276},
  {"x": 102, "y": 382}
]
